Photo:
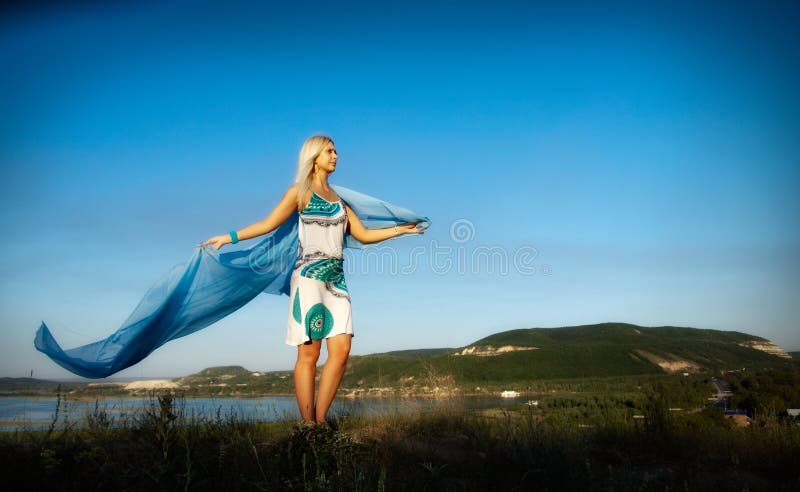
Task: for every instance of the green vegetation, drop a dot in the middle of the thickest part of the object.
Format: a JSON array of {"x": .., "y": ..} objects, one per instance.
[
  {"x": 585, "y": 438},
  {"x": 33, "y": 387},
  {"x": 515, "y": 359},
  {"x": 419, "y": 353},
  {"x": 236, "y": 381},
  {"x": 590, "y": 351},
  {"x": 604, "y": 407},
  {"x": 224, "y": 372},
  {"x": 764, "y": 392}
]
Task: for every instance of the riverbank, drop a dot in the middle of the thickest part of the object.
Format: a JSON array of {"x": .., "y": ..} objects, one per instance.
[
  {"x": 451, "y": 448},
  {"x": 575, "y": 397},
  {"x": 225, "y": 386},
  {"x": 30, "y": 413}
]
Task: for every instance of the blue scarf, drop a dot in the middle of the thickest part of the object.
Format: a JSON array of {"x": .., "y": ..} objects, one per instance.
[{"x": 210, "y": 286}]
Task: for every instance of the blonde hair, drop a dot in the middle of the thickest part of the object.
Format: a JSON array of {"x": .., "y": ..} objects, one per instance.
[{"x": 312, "y": 148}]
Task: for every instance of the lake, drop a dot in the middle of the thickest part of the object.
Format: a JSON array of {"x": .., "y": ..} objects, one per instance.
[{"x": 32, "y": 412}]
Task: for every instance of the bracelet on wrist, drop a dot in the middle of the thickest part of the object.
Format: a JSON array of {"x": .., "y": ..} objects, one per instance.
[{"x": 234, "y": 237}]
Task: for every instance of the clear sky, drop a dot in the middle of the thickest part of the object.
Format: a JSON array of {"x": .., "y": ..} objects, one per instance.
[{"x": 641, "y": 164}]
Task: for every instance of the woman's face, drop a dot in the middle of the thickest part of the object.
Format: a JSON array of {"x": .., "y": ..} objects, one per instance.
[{"x": 327, "y": 159}]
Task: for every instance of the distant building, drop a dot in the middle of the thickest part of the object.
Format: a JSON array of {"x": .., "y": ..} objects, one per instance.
[{"x": 509, "y": 394}]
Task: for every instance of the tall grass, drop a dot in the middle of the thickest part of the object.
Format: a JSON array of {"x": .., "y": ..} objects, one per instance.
[{"x": 452, "y": 448}]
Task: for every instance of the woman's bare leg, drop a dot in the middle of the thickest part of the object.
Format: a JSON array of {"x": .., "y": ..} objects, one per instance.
[
  {"x": 338, "y": 351},
  {"x": 305, "y": 370}
]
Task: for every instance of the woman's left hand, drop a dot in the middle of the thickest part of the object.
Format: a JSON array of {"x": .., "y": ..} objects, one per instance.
[{"x": 409, "y": 228}]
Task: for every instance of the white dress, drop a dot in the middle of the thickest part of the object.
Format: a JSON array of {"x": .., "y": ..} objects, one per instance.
[{"x": 319, "y": 304}]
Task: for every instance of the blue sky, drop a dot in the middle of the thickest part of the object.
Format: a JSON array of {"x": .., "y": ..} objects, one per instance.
[{"x": 649, "y": 155}]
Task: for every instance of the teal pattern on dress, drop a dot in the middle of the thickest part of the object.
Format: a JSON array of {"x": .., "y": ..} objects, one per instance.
[
  {"x": 296, "y": 313},
  {"x": 329, "y": 270},
  {"x": 319, "y": 207},
  {"x": 319, "y": 322}
]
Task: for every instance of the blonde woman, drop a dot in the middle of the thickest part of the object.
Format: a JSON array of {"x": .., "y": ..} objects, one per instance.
[{"x": 319, "y": 304}]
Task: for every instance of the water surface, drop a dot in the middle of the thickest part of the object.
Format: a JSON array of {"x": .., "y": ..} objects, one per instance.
[{"x": 33, "y": 412}]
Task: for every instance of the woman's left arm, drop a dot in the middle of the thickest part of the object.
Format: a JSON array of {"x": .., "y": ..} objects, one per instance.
[{"x": 365, "y": 235}]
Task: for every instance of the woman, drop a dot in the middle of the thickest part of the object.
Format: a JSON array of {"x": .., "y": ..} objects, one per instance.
[{"x": 319, "y": 305}]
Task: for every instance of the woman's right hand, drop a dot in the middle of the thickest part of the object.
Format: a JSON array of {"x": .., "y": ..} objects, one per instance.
[{"x": 218, "y": 241}]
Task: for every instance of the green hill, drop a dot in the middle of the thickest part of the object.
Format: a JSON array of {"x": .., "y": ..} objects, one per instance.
[
  {"x": 417, "y": 354},
  {"x": 236, "y": 381},
  {"x": 511, "y": 359},
  {"x": 607, "y": 349},
  {"x": 222, "y": 371},
  {"x": 31, "y": 386}
]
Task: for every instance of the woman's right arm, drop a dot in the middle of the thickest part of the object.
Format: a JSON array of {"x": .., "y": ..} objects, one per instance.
[{"x": 278, "y": 216}]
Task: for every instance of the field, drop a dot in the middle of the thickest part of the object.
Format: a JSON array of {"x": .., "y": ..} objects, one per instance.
[{"x": 613, "y": 434}]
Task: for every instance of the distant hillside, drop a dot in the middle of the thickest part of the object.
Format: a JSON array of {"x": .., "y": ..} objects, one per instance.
[
  {"x": 419, "y": 353},
  {"x": 513, "y": 359},
  {"x": 794, "y": 355},
  {"x": 220, "y": 371},
  {"x": 236, "y": 380},
  {"x": 24, "y": 382},
  {"x": 607, "y": 349},
  {"x": 32, "y": 386}
]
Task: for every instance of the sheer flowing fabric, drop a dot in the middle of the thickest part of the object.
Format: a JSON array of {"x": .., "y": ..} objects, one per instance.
[{"x": 208, "y": 287}]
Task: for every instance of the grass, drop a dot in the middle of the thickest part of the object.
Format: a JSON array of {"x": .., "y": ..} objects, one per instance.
[{"x": 523, "y": 448}]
